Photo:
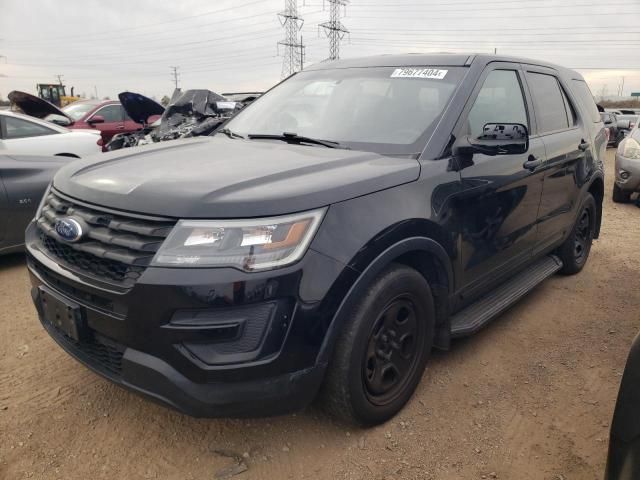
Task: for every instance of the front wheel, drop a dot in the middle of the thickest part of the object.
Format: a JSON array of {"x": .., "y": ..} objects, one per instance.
[
  {"x": 574, "y": 252},
  {"x": 382, "y": 350}
]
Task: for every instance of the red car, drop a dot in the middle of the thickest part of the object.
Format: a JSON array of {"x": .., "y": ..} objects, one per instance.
[{"x": 108, "y": 116}]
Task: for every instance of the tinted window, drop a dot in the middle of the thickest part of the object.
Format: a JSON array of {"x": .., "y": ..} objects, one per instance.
[
  {"x": 499, "y": 101},
  {"x": 581, "y": 89},
  {"x": 111, "y": 113},
  {"x": 19, "y": 128},
  {"x": 571, "y": 113},
  {"x": 547, "y": 97},
  {"x": 387, "y": 110}
]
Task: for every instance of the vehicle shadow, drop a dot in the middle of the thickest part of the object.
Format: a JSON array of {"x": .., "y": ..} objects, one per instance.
[{"x": 12, "y": 260}]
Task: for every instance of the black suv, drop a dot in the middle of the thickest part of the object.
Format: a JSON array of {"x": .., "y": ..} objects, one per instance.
[{"x": 351, "y": 219}]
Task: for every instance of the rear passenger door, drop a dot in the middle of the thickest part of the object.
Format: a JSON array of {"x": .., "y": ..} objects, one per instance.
[
  {"x": 501, "y": 193},
  {"x": 567, "y": 144}
]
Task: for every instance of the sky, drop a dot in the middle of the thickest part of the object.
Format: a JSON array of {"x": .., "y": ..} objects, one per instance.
[{"x": 232, "y": 45}]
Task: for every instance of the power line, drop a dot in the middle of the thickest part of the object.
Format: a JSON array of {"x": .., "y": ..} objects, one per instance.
[
  {"x": 173, "y": 20},
  {"x": 174, "y": 74},
  {"x": 293, "y": 56},
  {"x": 334, "y": 29}
]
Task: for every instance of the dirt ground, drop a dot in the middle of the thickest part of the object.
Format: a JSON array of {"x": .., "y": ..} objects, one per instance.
[{"x": 529, "y": 397}]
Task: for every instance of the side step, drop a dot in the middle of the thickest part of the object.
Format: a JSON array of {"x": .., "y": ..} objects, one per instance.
[{"x": 478, "y": 314}]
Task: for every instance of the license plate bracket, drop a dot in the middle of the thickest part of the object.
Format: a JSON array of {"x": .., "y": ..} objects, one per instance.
[{"x": 64, "y": 314}]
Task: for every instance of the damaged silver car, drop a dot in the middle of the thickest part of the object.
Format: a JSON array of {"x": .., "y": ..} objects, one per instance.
[{"x": 191, "y": 113}]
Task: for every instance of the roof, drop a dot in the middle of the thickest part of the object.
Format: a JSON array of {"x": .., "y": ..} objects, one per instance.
[
  {"x": 44, "y": 123},
  {"x": 430, "y": 59}
]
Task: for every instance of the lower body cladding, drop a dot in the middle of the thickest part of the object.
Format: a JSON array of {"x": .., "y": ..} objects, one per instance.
[{"x": 207, "y": 342}]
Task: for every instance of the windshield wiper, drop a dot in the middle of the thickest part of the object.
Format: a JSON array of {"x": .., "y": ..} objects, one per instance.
[
  {"x": 230, "y": 134},
  {"x": 295, "y": 138}
]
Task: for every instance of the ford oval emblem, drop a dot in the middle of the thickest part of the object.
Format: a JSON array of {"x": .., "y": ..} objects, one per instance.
[{"x": 68, "y": 229}]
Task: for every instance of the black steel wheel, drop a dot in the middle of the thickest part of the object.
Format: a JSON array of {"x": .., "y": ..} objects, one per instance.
[
  {"x": 393, "y": 352},
  {"x": 574, "y": 252},
  {"x": 382, "y": 349}
]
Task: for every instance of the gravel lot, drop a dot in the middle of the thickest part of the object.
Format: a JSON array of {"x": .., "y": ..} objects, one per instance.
[{"x": 529, "y": 397}]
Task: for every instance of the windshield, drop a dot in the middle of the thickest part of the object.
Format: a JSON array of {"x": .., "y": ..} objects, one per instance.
[
  {"x": 388, "y": 110},
  {"x": 78, "y": 110}
]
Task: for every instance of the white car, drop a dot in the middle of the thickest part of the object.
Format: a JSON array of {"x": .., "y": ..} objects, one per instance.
[{"x": 24, "y": 134}]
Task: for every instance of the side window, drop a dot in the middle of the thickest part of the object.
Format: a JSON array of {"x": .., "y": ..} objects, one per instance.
[
  {"x": 19, "y": 128},
  {"x": 111, "y": 113},
  {"x": 571, "y": 112},
  {"x": 582, "y": 91},
  {"x": 549, "y": 102},
  {"x": 500, "y": 100}
]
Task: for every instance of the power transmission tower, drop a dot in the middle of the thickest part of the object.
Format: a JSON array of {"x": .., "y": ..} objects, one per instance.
[
  {"x": 293, "y": 56},
  {"x": 175, "y": 75},
  {"x": 334, "y": 29}
]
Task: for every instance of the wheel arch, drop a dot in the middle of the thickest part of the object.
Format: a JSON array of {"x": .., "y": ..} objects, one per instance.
[
  {"x": 424, "y": 254},
  {"x": 596, "y": 189}
]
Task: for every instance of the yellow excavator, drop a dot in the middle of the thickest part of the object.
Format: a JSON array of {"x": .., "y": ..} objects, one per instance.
[{"x": 55, "y": 93}]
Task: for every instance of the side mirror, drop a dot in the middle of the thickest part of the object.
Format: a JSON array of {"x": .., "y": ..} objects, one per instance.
[
  {"x": 58, "y": 120},
  {"x": 496, "y": 139},
  {"x": 95, "y": 119}
]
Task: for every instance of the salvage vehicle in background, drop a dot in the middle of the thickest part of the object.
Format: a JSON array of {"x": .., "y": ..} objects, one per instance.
[
  {"x": 25, "y": 134},
  {"x": 350, "y": 220},
  {"x": 627, "y": 170},
  {"x": 615, "y": 133},
  {"x": 244, "y": 98},
  {"x": 23, "y": 181},
  {"x": 192, "y": 113},
  {"x": 107, "y": 117}
]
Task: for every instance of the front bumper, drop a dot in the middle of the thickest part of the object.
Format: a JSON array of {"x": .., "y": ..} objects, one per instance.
[
  {"x": 632, "y": 167},
  {"x": 207, "y": 342}
]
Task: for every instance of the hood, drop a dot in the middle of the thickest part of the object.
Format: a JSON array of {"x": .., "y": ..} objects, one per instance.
[
  {"x": 35, "y": 106},
  {"x": 139, "y": 108},
  {"x": 219, "y": 177}
]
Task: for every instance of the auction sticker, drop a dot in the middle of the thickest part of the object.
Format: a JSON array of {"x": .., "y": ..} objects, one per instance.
[{"x": 411, "y": 72}]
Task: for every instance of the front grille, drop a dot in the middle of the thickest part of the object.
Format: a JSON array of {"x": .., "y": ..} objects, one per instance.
[{"x": 115, "y": 248}]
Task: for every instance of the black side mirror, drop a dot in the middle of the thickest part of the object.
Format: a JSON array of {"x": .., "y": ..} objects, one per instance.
[{"x": 496, "y": 139}]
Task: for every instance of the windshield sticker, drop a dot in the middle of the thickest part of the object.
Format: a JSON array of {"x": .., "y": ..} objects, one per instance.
[{"x": 408, "y": 72}]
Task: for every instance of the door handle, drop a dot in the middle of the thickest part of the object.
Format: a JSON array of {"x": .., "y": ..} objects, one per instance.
[
  {"x": 120, "y": 127},
  {"x": 532, "y": 163},
  {"x": 583, "y": 146}
]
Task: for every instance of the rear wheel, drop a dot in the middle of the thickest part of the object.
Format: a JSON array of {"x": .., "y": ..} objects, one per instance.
[
  {"x": 619, "y": 195},
  {"x": 574, "y": 252},
  {"x": 383, "y": 349}
]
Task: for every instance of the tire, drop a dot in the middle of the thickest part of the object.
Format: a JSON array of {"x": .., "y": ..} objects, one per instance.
[
  {"x": 574, "y": 252},
  {"x": 619, "y": 195},
  {"x": 370, "y": 376}
]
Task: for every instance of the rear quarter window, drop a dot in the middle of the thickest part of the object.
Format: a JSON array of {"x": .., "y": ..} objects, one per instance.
[{"x": 583, "y": 93}]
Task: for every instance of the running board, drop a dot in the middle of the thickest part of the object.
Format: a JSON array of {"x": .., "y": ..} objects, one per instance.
[{"x": 478, "y": 314}]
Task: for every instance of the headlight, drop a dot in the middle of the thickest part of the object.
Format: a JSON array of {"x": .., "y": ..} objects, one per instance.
[
  {"x": 631, "y": 149},
  {"x": 249, "y": 245},
  {"x": 42, "y": 201}
]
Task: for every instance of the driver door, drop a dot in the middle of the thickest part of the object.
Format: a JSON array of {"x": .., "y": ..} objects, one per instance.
[
  {"x": 113, "y": 116},
  {"x": 500, "y": 194}
]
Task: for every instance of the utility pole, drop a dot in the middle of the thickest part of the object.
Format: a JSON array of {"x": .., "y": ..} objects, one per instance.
[
  {"x": 622, "y": 87},
  {"x": 175, "y": 74},
  {"x": 59, "y": 77},
  {"x": 334, "y": 29},
  {"x": 293, "y": 56}
]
